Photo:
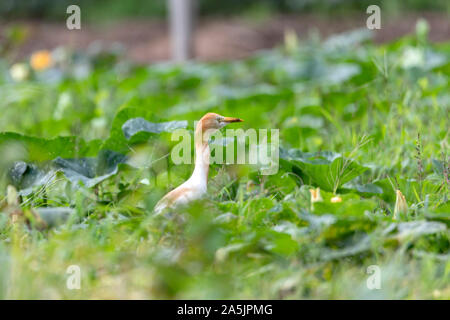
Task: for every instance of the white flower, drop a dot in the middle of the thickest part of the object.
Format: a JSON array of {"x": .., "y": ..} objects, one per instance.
[
  {"x": 336, "y": 199},
  {"x": 413, "y": 57},
  {"x": 19, "y": 71}
]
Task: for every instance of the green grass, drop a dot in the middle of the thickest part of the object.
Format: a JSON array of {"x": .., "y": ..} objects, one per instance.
[{"x": 381, "y": 111}]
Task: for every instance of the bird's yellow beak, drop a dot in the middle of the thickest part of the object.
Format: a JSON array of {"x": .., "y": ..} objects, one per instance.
[{"x": 230, "y": 120}]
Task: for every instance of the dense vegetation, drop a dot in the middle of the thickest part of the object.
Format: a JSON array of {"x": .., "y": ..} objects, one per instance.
[{"x": 356, "y": 121}]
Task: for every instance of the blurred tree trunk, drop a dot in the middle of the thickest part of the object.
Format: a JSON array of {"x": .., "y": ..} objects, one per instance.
[{"x": 182, "y": 14}]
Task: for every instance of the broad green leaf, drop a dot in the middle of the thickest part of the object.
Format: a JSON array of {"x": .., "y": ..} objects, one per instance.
[
  {"x": 414, "y": 229},
  {"x": 25, "y": 176},
  {"x": 90, "y": 171},
  {"x": 349, "y": 204},
  {"x": 410, "y": 188},
  {"x": 54, "y": 216},
  {"x": 131, "y": 126},
  {"x": 38, "y": 149},
  {"x": 366, "y": 190},
  {"x": 327, "y": 169},
  {"x": 135, "y": 125}
]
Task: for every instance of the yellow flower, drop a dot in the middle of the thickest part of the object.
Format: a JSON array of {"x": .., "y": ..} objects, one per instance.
[
  {"x": 401, "y": 207},
  {"x": 19, "y": 71},
  {"x": 41, "y": 60},
  {"x": 336, "y": 199},
  {"x": 315, "y": 195}
]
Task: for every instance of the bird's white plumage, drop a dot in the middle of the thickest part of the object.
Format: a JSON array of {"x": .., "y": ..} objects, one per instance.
[{"x": 196, "y": 186}]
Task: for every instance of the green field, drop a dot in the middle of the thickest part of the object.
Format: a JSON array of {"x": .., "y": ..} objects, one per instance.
[{"x": 356, "y": 120}]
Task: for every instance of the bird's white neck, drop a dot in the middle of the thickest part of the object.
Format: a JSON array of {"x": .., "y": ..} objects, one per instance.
[
  {"x": 199, "y": 177},
  {"x": 201, "y": 170}
]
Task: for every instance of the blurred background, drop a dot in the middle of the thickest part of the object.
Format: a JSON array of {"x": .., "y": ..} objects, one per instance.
[
  {"x": 223, "y": 29},
  {"x": 72, "y": 104}
]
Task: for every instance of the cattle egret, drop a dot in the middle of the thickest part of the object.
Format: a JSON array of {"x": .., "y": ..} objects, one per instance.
[{"x": 195, "y": 187}]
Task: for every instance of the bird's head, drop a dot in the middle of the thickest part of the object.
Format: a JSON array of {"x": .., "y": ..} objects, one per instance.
[{"x": 212, "y": 122}]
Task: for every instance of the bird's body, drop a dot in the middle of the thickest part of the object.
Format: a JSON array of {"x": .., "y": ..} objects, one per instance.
[{"x": 195, "y": 187}]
